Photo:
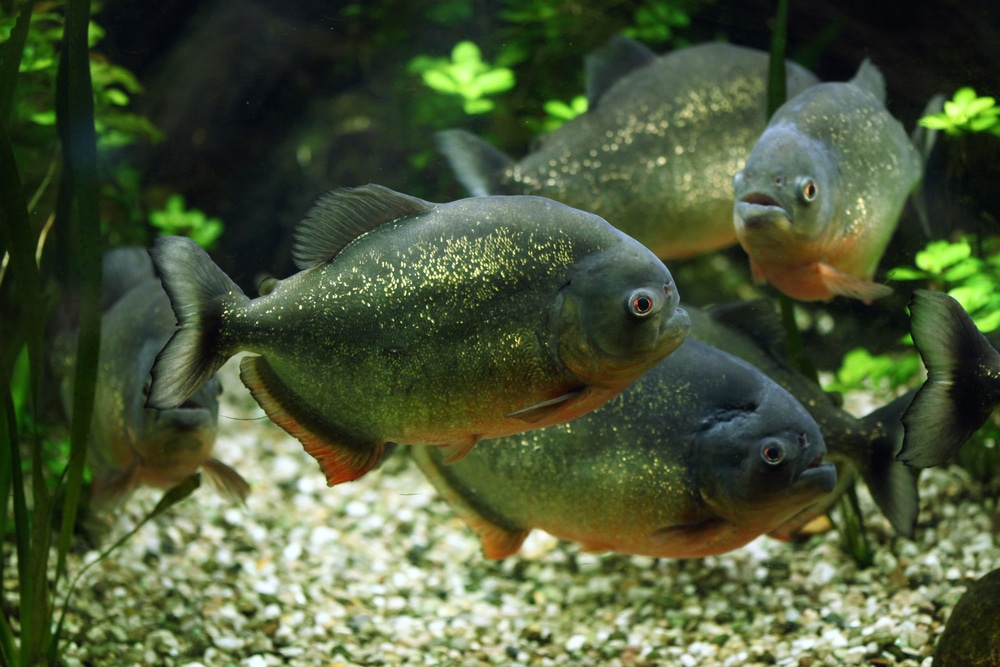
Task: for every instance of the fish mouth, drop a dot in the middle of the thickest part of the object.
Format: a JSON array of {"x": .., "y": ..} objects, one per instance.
[
  {"x": 819, "y": 473},
  {"x": 757, "y": 210},
  {"x": 677, "y": 325}
]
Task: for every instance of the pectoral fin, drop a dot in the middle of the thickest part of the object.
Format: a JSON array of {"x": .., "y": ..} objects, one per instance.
[
  {"x": 226, "y": 481},
  {"x": 539, "y": 411},
  {"x": 845, "y": 284},
  {"x": 341, "y": 457},
  {"x": 757, "y": 273}
]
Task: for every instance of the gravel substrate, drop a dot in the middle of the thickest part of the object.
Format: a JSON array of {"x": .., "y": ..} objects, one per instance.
[{"x": 380, "y": 572}]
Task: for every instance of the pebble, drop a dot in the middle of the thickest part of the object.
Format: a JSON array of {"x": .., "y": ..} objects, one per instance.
[{"x": 380, "y": 572}]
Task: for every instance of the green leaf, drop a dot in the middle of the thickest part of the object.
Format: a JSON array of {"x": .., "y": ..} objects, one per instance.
[
  {"x": 466, "y": 53},
  {"x": 477, "y": 106},
  {"x": 988, "y": 321},
  {"x": 939, "y": 255},
  {"x": 972, "y": 297},
  {"x": 966, "y": 268},
  {"x": 116, "y": 97},
  {"x": 495, "y": 81},
  {"x": 906, "y": 273},
  {"x": 440, "y": 81}
]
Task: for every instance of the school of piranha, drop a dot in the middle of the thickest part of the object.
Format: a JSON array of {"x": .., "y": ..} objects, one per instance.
[{"x": 530, "y": 344}]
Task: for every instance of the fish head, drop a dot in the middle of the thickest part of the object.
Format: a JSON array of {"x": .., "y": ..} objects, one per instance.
[
  {"x": 760, "y": 460},
  {"x": 617, "y": 316},
  {"x": 785, "y": 197}
]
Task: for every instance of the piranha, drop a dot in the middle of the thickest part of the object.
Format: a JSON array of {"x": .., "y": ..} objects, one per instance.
[
  {"x": 701, "y": 455},
  {"x": 963, "y": 380},
  {"x": 752, "y": 331},
  {"x": 823, "y": 189},
  {"x": 424, "y": 324},
  {"x": 131, "y": 445},
  {"x": 655, "y": 152}
]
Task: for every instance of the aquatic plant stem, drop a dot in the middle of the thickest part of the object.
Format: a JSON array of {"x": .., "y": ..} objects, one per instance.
[
  {"x": 75, "y": 122},
  {"x": 852, "y": 528}
]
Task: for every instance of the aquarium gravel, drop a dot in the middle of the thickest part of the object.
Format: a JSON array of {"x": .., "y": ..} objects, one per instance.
[{"x": 381, "y": 572}]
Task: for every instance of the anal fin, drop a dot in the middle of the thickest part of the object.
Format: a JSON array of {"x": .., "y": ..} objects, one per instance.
[
  {"x": 340, "y": 457},
  {"x": 497, "y": 541}
]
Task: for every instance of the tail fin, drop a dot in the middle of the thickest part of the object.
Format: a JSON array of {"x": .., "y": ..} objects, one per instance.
[
  {"x": 961, "y": 387},
  {"x": 476, "y": 164},
  {"x": 199, "y": 293},
  {"x": 892, "y": 485}
]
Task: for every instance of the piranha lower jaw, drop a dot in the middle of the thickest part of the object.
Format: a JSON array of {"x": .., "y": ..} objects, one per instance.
[
  {"x": 818, "y": 474},
  {"x": 758, "y": 211}
]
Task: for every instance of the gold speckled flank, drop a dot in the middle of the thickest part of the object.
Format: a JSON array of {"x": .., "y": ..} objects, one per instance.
[
  {"x": 671, "y": 467},
  {"x": 657, "y": 154},
  {"x": 433, "y": 328}
]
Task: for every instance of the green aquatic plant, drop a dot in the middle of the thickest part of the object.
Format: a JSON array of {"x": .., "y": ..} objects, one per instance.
[
  {"x": 466, "y": 76},
  {"x": 967, "y": 270},
  {"x": 965, "y": 113},
  {"x": 558, "y": 112},
  {"x": 175, "y": 219},
  {"x": 657, "y": 21},
  {"x": 861, "y": 370},
  {"x": 41, "y": 495}
]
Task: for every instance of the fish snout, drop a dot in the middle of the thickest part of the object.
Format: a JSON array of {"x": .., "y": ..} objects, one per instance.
[
  {"x": 758, "y": 210},
  {"x": 816, "y": 470}
]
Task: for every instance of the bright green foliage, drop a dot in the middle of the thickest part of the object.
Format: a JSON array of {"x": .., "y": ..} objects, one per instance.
[
  {"x": 966, "y": 113},
  {"x": 175, "y": 219},
  {"x": 558, "y": 112},
  {"x": 114, "y": 86},
  {"x": 466, "y": 76},
  {"x": 657, "y": 21},
  {"x": 861, "y": 370},
  {"x": 971, "y": 278},
  {"x": 967, "y": 271},
  {"x": 33, "y": 131}
]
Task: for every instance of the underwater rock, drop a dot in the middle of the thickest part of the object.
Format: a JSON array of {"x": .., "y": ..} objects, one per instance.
[{"x": 972, "y": 636}]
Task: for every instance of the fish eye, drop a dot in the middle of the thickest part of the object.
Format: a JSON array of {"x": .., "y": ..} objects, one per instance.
[
  {"x": 772, "y": 453},
  {"x": 808, "y": 190},
  {"x": 641, "y": 302}
]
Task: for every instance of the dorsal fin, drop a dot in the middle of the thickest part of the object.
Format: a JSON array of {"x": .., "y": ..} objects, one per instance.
[
  {"x": 619, "y": 56},
  {"x": 757, "y": 320},
  {"x": 870, "y": 78},
  {"x": 123, "y": 269},
  {"x": 340, "y": 216}
]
